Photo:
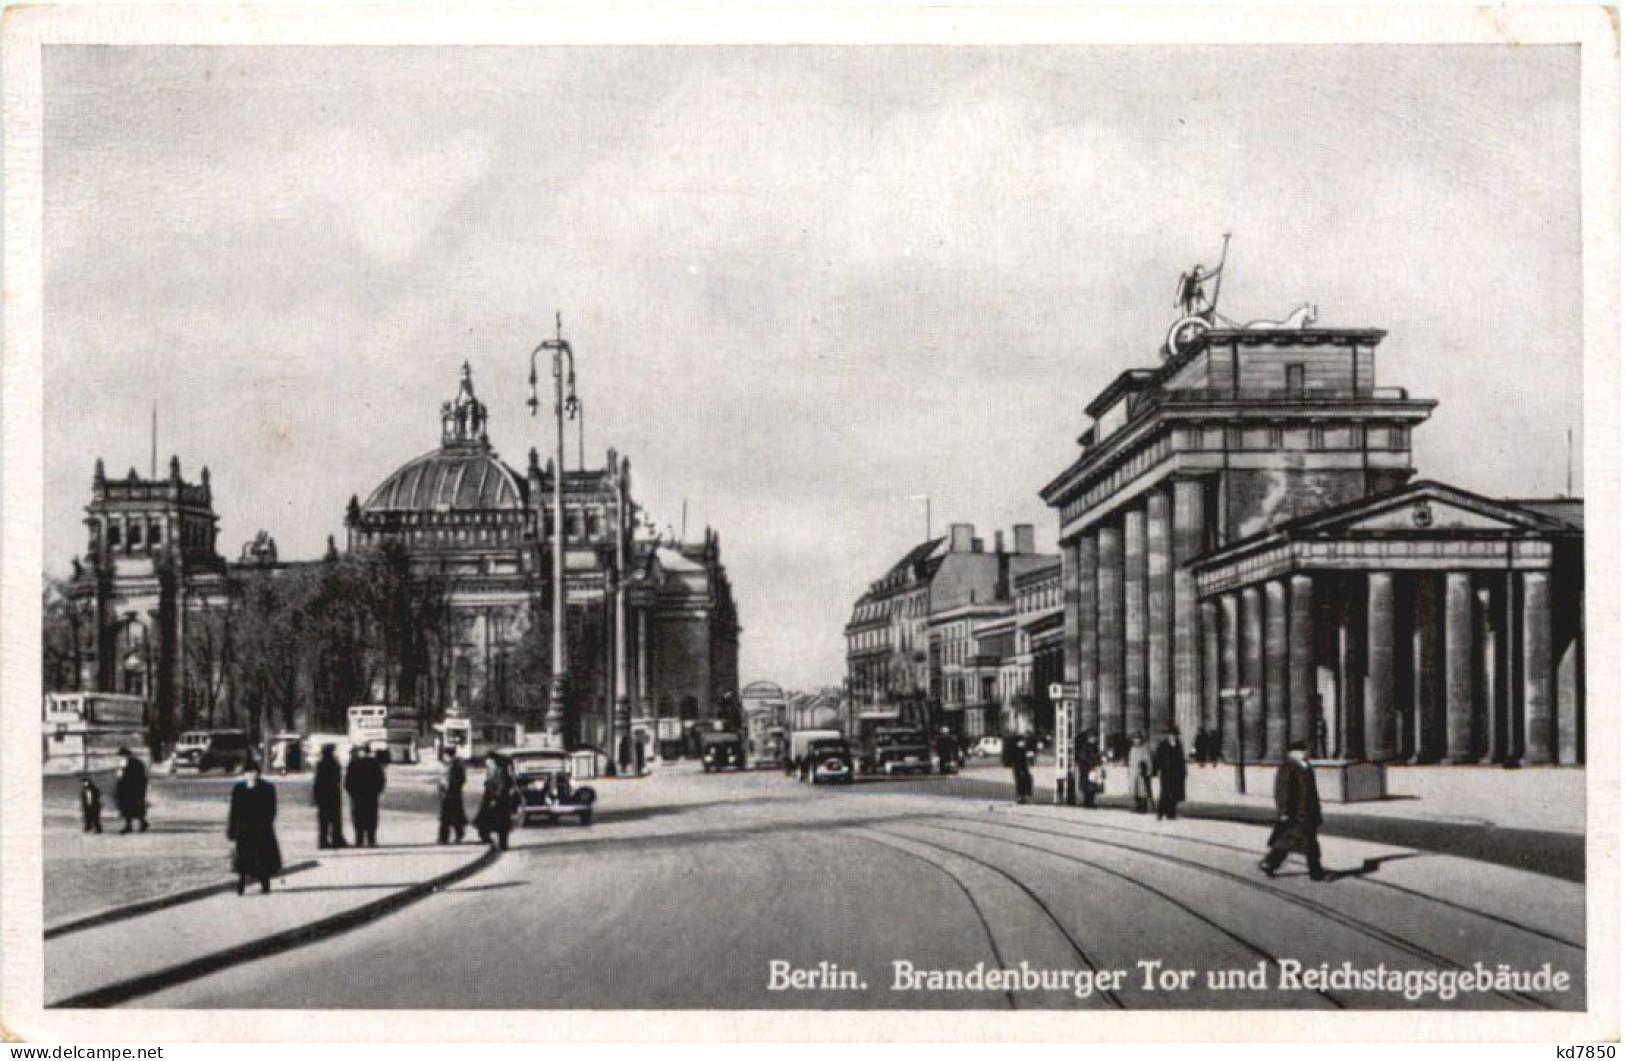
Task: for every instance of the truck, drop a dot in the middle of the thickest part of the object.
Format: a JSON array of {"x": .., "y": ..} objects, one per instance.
[{"x": 390, "y": 730}]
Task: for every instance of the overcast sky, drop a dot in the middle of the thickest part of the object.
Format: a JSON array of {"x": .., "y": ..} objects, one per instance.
[{"x": 804, "y": 284}]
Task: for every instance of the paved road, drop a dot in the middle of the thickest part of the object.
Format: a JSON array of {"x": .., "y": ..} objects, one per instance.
[{"x": 690, "y": 904}]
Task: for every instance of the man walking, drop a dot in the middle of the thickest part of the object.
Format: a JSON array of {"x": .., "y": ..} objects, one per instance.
[
  {"x": 495, "y": 817},
  {"x": 1015, "y": 756},
  {"x": 130, "y": 792},
  {"x": 1297, "y": 809},
  {"x": 1168, "y": 765},
  {"x": 328, "y": 792},
  {"x": 251, "y": 826},
  {"x": 90, "y": 804},
  {"x": 364, "y": 781},
  {"x": 453, "y": 818}
]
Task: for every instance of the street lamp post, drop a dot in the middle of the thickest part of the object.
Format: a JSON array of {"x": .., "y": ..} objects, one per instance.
[
  {"x": 563, "y": 405},
  {"x": 1238, "y": 696}
]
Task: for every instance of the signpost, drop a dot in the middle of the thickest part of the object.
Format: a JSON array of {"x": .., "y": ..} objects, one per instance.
[{"x": 1065, "y": 697}]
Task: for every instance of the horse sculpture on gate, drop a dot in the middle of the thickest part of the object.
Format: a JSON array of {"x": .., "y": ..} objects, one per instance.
[{"x": 1302, "y": 317}]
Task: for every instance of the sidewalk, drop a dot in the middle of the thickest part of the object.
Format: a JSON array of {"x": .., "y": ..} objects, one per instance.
[
  {"x": 109, "y": 962},
  {"x": 1531, "y": 819}
]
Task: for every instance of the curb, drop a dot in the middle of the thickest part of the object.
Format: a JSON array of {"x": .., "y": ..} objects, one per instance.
[
  {"x": 163, "y": 902},
  {"x": 289, "y": 939}
]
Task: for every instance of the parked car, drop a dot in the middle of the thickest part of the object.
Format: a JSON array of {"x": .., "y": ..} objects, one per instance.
[
  {"x": 990, "y": 747},
  {"x": 896, "y": 749},
  {"x": 226, "y": 750},
  {"x": 546, "y": 789}
]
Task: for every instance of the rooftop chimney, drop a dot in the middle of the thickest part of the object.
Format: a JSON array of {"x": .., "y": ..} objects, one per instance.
[
  {"x": 998, "y": 542},
  {"x": 976, "y": 545},
  {"x": 1024, "y": 539},
  {"x": 960, "y": 536}
]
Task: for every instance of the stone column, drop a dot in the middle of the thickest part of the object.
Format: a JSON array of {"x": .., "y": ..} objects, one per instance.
[
  {"x": 1212, "y": 681},
  {"x": 1088, "y": 624},
  {"x": 1491, "y": 707},
  {"x": 1301, "y": 660},
  {"x": 1187, "y": 664},
  {"x": 1275, "y": 669},
  {"x": 1229, "y": 666},
  {"x": 644, "y": 707},
  {"x": 1134, "y": 620},
  {"x": 1427, "y": 698},
  {"x": 1537, "y": 667},
  {"x": 1109, "y": 631},
  {"x": 1379, "y": 668},
  {"x": 1159, "y": 601},
  {"x": 1252, "y": 671},
  {"x": 1458, "y": 666}
]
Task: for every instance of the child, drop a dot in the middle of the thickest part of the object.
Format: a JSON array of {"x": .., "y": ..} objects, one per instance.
[{"x": 90, "y": 805}]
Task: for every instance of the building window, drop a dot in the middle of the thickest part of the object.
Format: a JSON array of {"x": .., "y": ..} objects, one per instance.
[
  {"x": 155, "y": 534},
  {"x": 135, "y": 535},
  {"x": 1294, "y": 381},
  {"x": 113, "y": 534}
]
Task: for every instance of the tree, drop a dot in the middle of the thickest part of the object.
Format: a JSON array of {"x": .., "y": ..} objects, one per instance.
[
  {"x": 62, "y": 640},
  {"x": 271, "y": 647},
  {"x": 209, "y": 658}
]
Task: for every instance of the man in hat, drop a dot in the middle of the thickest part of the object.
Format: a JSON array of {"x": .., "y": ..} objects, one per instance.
[
  {"x": 1168, "y": 766},
  {"x": 364, "y": 781},
  {"x": 328, "y": 792},
  {"x": 1297, "y": 810},
  {"x": 130, "y": 792}
]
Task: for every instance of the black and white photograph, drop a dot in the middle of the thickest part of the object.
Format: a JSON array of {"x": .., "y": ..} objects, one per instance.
[{"x": 705, "y": 520}]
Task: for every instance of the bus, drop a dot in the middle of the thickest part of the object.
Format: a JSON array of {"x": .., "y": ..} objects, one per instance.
[{"x": 391, "y": 731}]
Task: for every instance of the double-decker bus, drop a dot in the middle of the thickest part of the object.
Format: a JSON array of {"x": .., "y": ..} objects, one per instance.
[{"x": 390, "y": 730}]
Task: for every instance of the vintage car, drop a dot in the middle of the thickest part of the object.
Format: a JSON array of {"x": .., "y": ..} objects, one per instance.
[
  {"x": 544, "y": 789},
  {"x": 720, "y": 750},
  {"x": 990, "y": 747},
  {"x": 227, "y": 750},
  {"x": 831, "y": 762}
]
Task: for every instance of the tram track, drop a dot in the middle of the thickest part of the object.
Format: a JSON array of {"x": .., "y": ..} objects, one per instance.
[
  {"x": 1347, "y": 921},
  {"x": 1448, "y": 904}
]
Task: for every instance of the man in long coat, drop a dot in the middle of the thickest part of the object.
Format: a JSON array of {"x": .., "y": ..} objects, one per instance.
[
  {"x": 1015, "y": 756},
  {"x": 1168, "y": 766},
  {"x": 364, "y": 781},
  {"x": 130, "y": 793},
  {"x": 1297, "y": 810},
  {"x": 328, "y": 792},
  {"x": 252, "y": 827},
  {"x": 453, "y": 819},
  {"x": 495, "y": 817},
  {"x": 1086, "y": 754}
]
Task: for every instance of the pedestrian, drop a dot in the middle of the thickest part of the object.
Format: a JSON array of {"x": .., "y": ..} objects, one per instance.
[
  {"x": 640, "y": 753},
  {"x": 804, "y": 766},
  {"x": 1087, "y": 754},
  {"x": 364, "y": 781},
  {"x": 1139, "y": 771},
  {"x": 1168, "y": 765},
  {"x": 90, "y": 804},
  {"x": 453, "y": 819},
  {"x": 252, "y": 827},
  {"x": 328, "y": 792},
  {"x": 495, "y": 817},
  {"x": 1297, "y": 810},
  {"x": 130, "y": 791},
  {"x": 1015, "y": 757}
]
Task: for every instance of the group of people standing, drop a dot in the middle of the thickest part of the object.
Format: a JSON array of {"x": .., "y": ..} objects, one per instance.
[
  {"x": 498, "y": 794},
  {"x": 363, "y": 780}
]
